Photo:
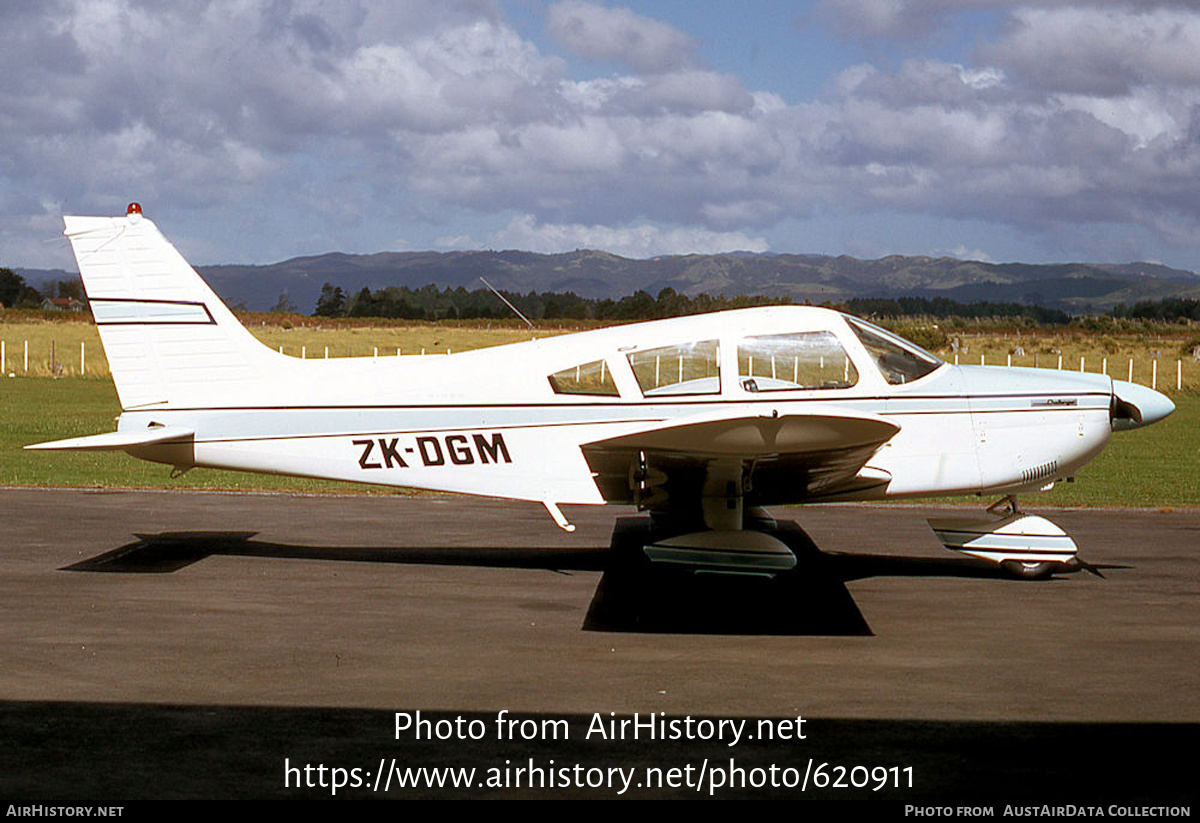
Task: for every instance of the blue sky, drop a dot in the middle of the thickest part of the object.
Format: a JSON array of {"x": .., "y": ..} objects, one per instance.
[{"x": 1047, "y": 130}]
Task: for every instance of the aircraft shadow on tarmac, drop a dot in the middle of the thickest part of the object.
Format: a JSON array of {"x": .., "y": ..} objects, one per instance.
[{"x": 634, "y": 595}]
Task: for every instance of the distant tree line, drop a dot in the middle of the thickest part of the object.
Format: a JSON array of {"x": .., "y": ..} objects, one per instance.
[
  {"x": 942, "y": 307},
  {"x": 1167, "y": 310},
  {"x": 15, "y": 293},
  {"x": 433, "y": 303}
]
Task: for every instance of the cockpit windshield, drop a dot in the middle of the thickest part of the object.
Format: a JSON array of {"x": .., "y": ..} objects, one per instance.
[{"x": 899, "y": 360}]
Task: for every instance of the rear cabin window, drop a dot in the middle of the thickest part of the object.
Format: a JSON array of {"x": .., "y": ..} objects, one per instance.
[
  {"x": 593, "y": 378},
  {"x": 787, "y": 362},
  {"x": 686, "y": 368}
]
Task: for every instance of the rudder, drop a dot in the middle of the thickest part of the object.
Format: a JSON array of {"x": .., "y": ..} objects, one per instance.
[{"x": 169, "y": 339}]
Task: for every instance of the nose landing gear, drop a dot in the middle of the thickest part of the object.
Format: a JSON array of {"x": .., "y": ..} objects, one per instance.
[{"x": 1025, "y": 545}]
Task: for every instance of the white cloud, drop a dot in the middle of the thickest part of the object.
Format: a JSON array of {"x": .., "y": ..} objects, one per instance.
[
  {"x": 1100, "y": 51},
  {"x": 1073, "y": 114},
  {"x": 618, "y": 35},
  {"x": 645, "y": 240},
  {"x": 192, "y": 100},
  {"x": 1145, "y": 114},
  {"x": 691, "y": 92},
  {"x": 912, "y": 20},
  {"x": 741, "y": 212},
  {"x": 336, "y": 116},
  {"x": 869, "y": 18},
  {"x": 966, "y": 253}
]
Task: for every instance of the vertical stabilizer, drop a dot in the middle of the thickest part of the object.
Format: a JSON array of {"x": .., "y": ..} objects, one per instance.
[{"x": 168, "y": 338}]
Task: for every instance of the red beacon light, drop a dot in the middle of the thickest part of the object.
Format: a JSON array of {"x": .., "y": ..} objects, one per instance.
[{"x": 133, "y": 208}]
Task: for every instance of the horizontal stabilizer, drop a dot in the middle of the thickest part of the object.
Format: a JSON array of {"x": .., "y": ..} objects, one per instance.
[
  {"x": 118, "y": 440},
  {"x": 739, "y": 550}
]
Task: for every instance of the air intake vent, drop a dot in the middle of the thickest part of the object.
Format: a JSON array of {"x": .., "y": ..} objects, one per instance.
[{"x": 1039, "y": 472}]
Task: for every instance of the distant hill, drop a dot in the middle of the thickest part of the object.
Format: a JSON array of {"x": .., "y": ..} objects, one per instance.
[{"x": 1073, "y": 287}]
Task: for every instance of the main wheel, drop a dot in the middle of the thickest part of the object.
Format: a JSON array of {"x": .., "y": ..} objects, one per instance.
[{"x": 1028, "y": 570}]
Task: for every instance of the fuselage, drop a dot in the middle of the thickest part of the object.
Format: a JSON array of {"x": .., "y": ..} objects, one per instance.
[{"x": 509, "y": 421}]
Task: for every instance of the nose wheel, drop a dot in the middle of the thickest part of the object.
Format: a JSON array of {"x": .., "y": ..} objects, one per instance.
[{"x": 1027, "y": 570}]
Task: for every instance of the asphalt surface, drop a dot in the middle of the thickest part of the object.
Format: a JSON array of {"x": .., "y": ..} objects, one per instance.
[{"x": 198, "y": 645}]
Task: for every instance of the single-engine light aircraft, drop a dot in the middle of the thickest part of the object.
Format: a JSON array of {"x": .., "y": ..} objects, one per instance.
[{"x": 699, "y": 420}]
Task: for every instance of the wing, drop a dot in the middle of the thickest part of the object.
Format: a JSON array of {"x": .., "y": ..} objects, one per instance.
[{"x": 777, "y": 459}]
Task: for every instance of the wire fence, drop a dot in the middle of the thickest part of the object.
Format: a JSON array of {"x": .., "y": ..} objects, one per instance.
[
  {"x": 21, "y": 358},
  {"x": 76, "y": 358},
  {"x": 1162, "y": 373}
]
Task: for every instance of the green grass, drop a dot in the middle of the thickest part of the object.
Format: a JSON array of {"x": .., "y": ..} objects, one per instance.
[
  {"x": 36, "y": 409},
  {"x": 1155, "y": 466}
]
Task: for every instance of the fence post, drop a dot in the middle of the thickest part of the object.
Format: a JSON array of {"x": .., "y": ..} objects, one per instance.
[
  {"x": 82, "y": 359},
  {"x": 1130, "y": 370},
  {"x": 1104, "y": 366},
  {"x": 1178, "y": 375},
  {"x": 1081, "y": 362},
  {"x": 3, "y": 362},
  {"x": 1009, "y": 364},
  {"x": 1154, "y": 373},
  {"x": 27, "y": 357}
]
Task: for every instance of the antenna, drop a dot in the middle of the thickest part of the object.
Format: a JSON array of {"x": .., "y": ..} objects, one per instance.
[{"x": 505, "y": 299}]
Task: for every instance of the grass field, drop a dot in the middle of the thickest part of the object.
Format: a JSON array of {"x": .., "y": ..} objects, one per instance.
[
  {"x": 37, "y": 409},
  {"x": 76, "y": 345},
  {"x": 1125, "y": 357},
  {"x": 1156, "y": 466}
]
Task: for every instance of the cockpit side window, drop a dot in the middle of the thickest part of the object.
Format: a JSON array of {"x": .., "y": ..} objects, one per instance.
[
  {"x": 787, "y": 362},
  {"x": 686, "y": 368},
  {"x": 898, "y": 360},
  {"x": 593, "y": 378}
]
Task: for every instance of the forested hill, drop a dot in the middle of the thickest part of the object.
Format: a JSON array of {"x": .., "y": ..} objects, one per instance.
[{"x": 1074, "y": 287}]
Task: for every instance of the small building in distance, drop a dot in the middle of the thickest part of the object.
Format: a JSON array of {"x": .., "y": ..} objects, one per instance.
[{"x": 63, "y": 304}]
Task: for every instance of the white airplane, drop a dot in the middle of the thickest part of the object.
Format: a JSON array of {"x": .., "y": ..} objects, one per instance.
[{"x": 699, "y": 420}]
